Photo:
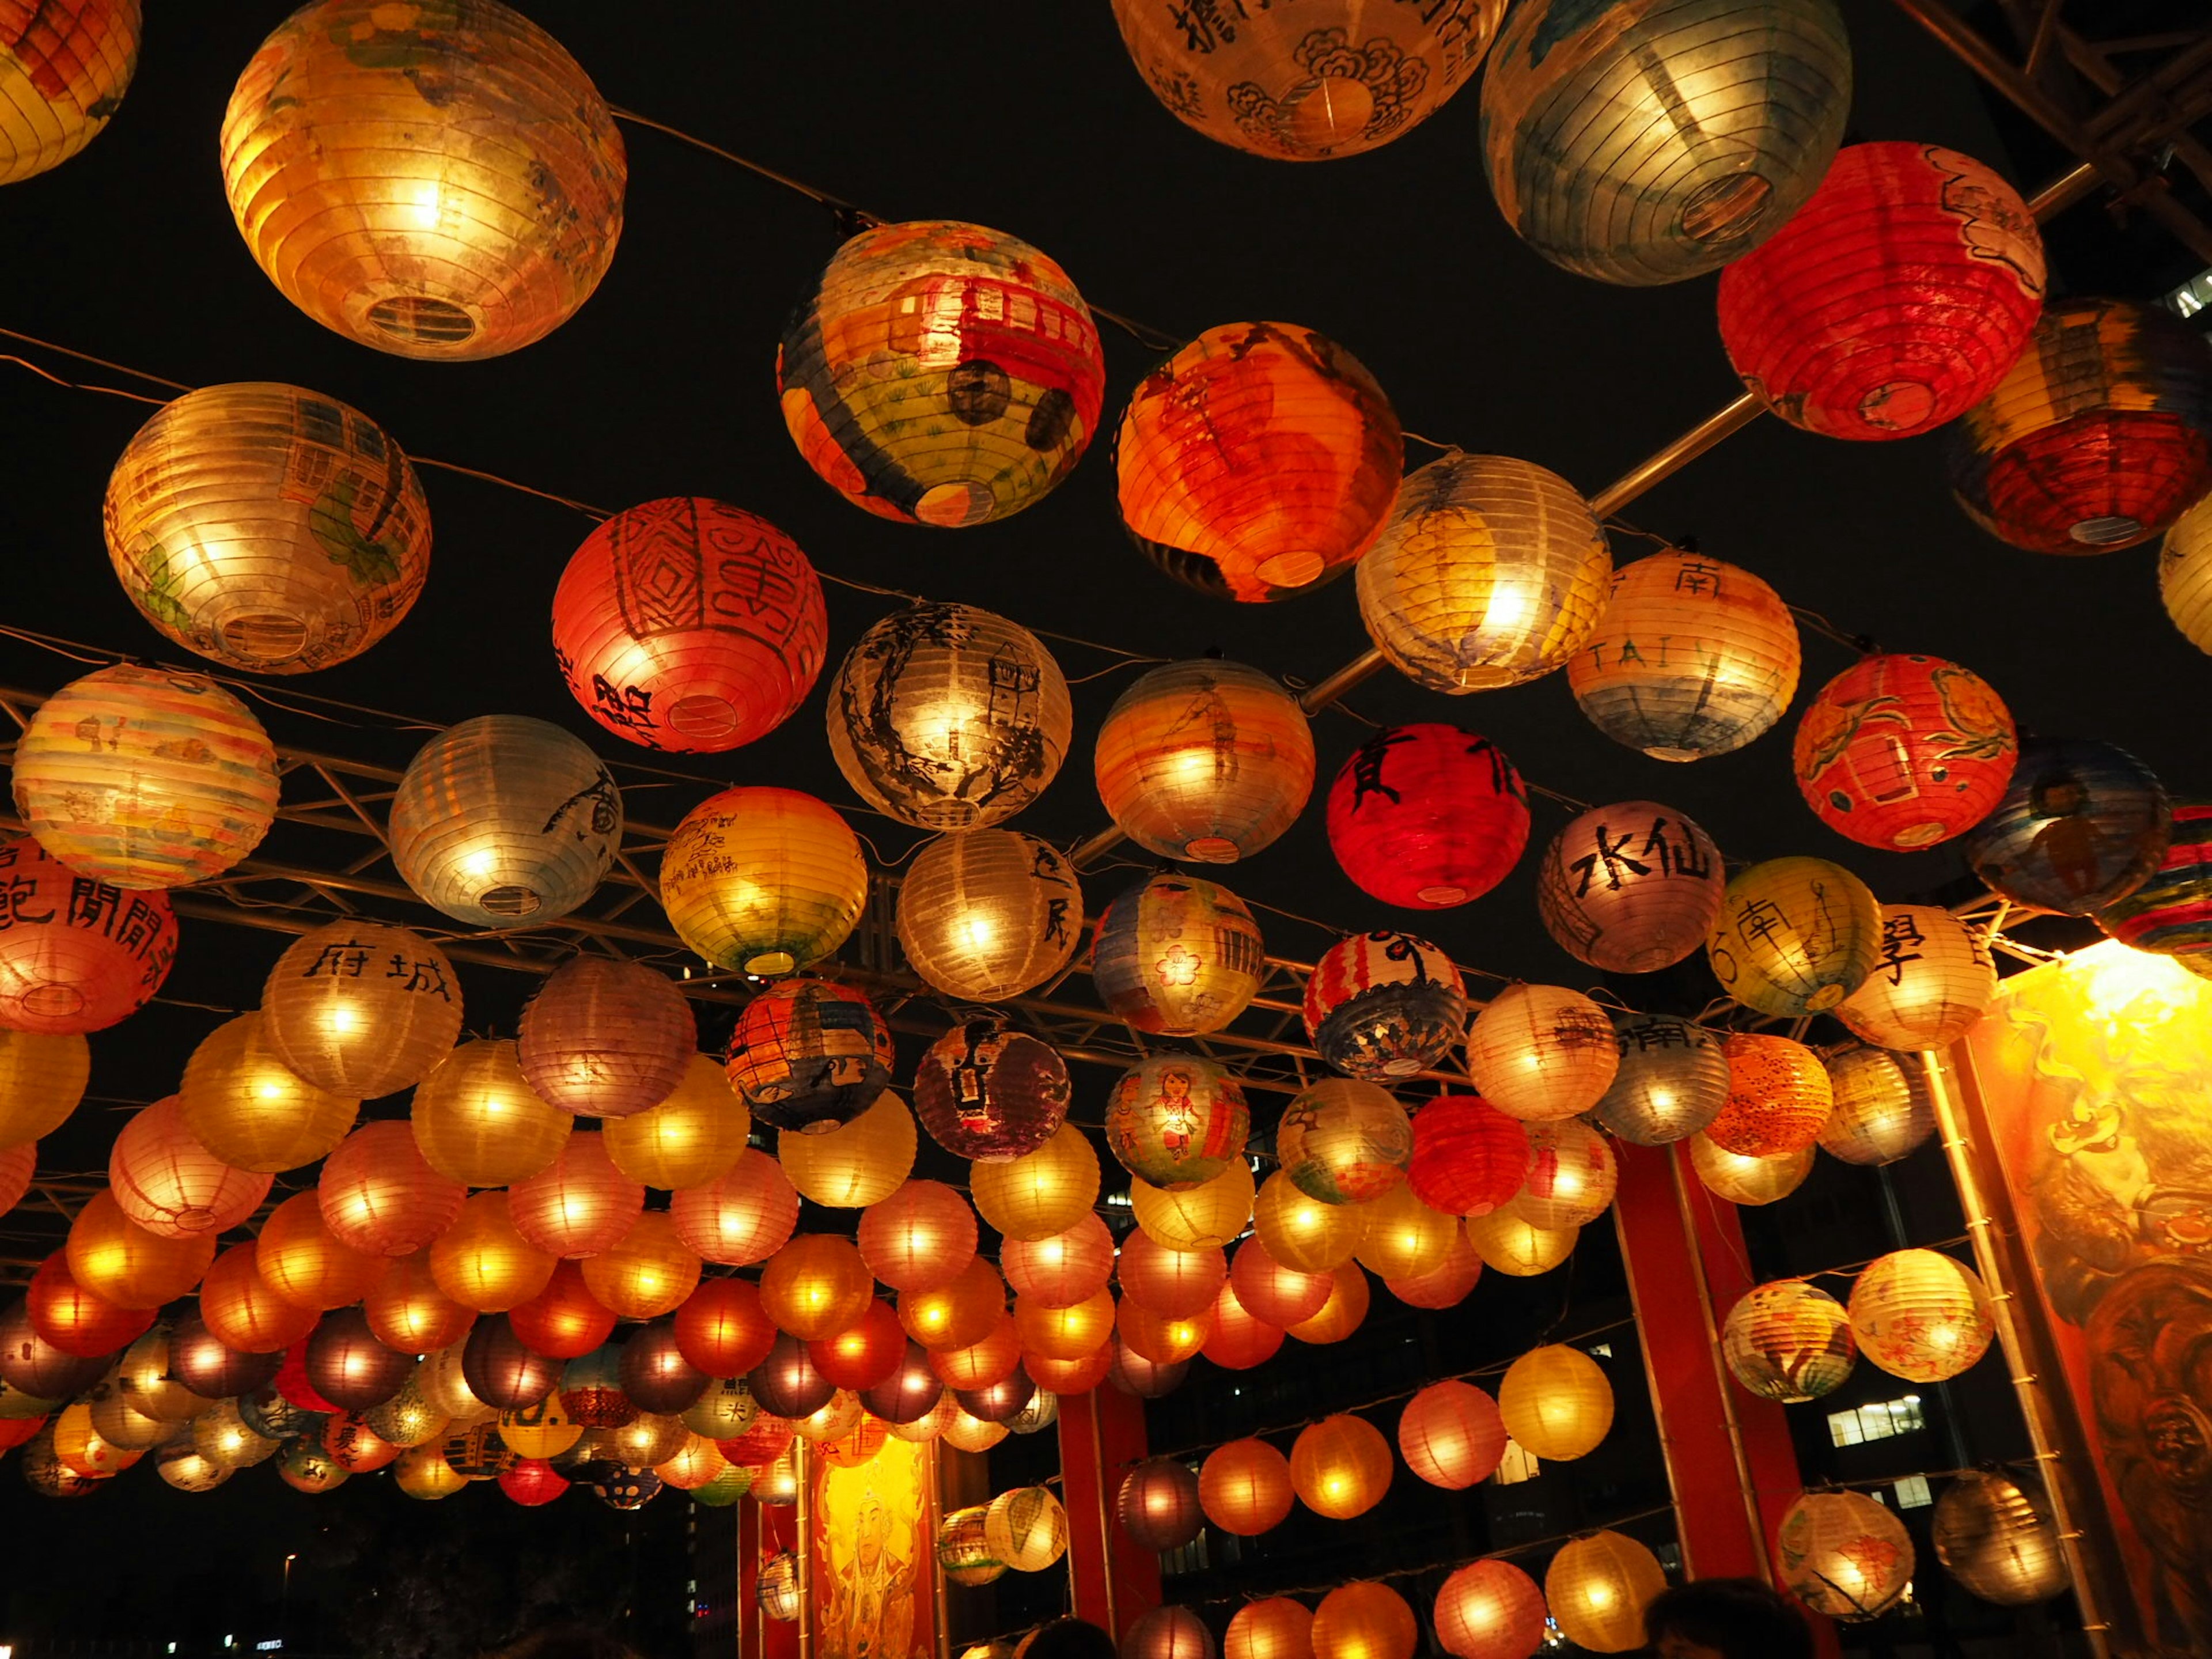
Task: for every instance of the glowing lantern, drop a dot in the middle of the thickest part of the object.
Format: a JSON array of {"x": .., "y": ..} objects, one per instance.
[
  {"x": 1167, "y": 1632},
  {"x": 1779, "y": 1098},
  {"x": 1788, "y": 1341},
  {"x": 693, "y": 1467},
  {"x": 141, "y": 777},
  {"x": 446, "y": 1387},
  {"x": 477, "y": 1121},
  {"x": 1344, "y": 1141},
  {"x": 1672, "y": 1082},
  {"x": 1275, "y": 1627},
  {"x": 722, "y": 1328},
  {"x": 1597, "y": 1588},
  {"x": 1204, "y": 760},
  {"x": 1160, "y": 1337},
  {"x": 1997, "y": 1534},
  {"x": 999, "y": 1403},
  {"x": 1932, "y": 979},
  {"x": 1904, "y": 751},
  {"x": 1239, "y": 1340},
  {"x": 145, "y": 1381},
  {"x": 970, "y": 1434},
  {"x": 1269, "y": 1291},
  {"x": 1920, "y": 1315},
  {"x": 961, "y": 1552},
  {"x": 242, "y": 1311},
  {"x": 808, "y": 1054},
  {"x": 1427, "y": 816},
  {"x": 83, "y": 1451},
  {"x": 1630, "y": 888},
  {"x": 744, "y": 1216},
  {"x": 62, "y": 76},
  {"x": 764, "y": 1440},
  {"x": 2082, "y": 826},
  {"x": 1167, "y": 1282},
  {"x": 1444, "y": 1286},
  {"x": 987, "y": 1092},
  {"x": 1364, "y": 1620},
  {"x": 1177, "y": 956},
  {"x": 221, "y": 1436},
  {"x": 1744, "y": 1180},
  {"x": 605, "y": 1038},
  {"x": 42, "y": 1078},
  {"x": 77, "y": 956},
  {"x": 909, "y": 1394},
  {"x": 1556, "y": 1403},
  {"x": 1176, "y": 1120},
  {"x": 648, "y": 1273},
  {"x": 694, "y": 1136},
  {"x": 1795, "y": 936},
  {"x": 866, "y": 1352},
  {"x": 406, "y": 1308},
  {"x": 763, "y": 880},
  {"x": 1384, "y": 1005},
  {"x": 2185, "y": 575},
  {"x": 423, "y": 1473},
  {"x": 18, "y": 1164},
  {"x": 47, "y": 1475},
  {"x": 113, "y": 1257},
  {"x": 1539, "y": 1052},
  {"x": 1058, "y": 1272},
  {"x": 2166, "y": 914},
  {"x": 853, "y": 1165},
  {"x": 1518, "y": 1247},
  {"x": 349, "y": 1368},
  {"x": 655, "y": 1375},
  {"x": 1451, "y": 1435},
  {"x": 1490, "y": 1610},
  {"x": 815, "y": 1287},
  {"x": 304, "y": 1262},
  {"x": 532, "y": 1482},
  {"x": 1067, "y": 1333},
  {"x": 2098, "y": 437},
  {"x": 484, "y": 1263},
  {"x": 578, "y": 1205},
  {"x": 1405, "y": 1238},
  {"x": 360, "y": 1009},
  {"x": 1206, "y": 1217},
  {"x": 1882, "y": 1108},
  {"x": 1303, "y": 1233},
  {"x": 1244, "y": 1487},
  {"x": 590, "y": 1390},
  {"x": 165, "y": 1180},
  {"x": 1572, "y": 1176},
  {"x": 408, "y": 1417},
  {"x": 204, "y": 1365},
  {"x": 1340, "y": 1466},
  {"x": 918, "y": 1237},
  {"x": 1844, "y": 1555},
  {"x": 380, "y": 1195},
  {"x": 726, "y": 1408},
  {"x": 648, "y": 1439},
  {"x": 1042, "y": 1193},
  {"x": 1055, "y": 1378},
  {"x": 988, "y": 913},
  {"x": 243, "y": 1105},
  {"x": 1469, "y": 1157},
  {"x": 29, "y": 1362},
  {"x": 1159, "y": 1504},
  {"x": 958, "y": 1313}
]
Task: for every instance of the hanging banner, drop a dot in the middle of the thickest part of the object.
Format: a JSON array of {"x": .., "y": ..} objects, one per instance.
[{"x": 872, "y": 1584}]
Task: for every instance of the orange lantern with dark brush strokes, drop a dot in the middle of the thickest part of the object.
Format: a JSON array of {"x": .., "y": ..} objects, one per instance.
[
  {"x": 647, "y": 1274},
  {"x": 238, "y": 1306},
  {"x": 565, "y": 1321},
  {"x": 1932, "y": 981},
  {"x": 742, "y": 1217},
  {"x": 407, "y": 1309},
  {"x": 64, "y": 69},
  {"x": 164, "y": 1180},
  {"x": 808, "y": 1054},
  {"x": 1259, "y": 461},
  {"x": 77, "y": 956},
  {"x": 605, "y": 1038},
  {"x": 380, "y": 1195},
  {"x": 1427, "y": 816},
  {"x": 77, "y": 1321},
  {"x": 1177, "y": 956},
  {"x": 1468, "y": 1157},
  {"x": 113, "y": 1256},
  {"x": 1244, "y": 1487},
  {"x": 919, "y": 1237},
  {"x": 722, "y": 1328},
  {"x": 1630, "y": 888},
  {"x": 578, "y": 1205},
  {"x": 361, "y": 1009},
  {"x": 1795, "y": 936},
  {"x": 688, "y": 625},
  {"x": 1902, "y": 751},
  {"x": 1779, "y": 1097},
  {"x": 481, "y": 1262},
  {"x": 864, "y": 1354},
  {"x": 1058, "y": 1272}
]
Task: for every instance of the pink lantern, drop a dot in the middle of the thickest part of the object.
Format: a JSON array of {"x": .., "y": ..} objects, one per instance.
[
  {"x": 580, "y": 1204},
  {"x": 171, "y": 1185},
  {"x": 605, "y": 1038},
  {"x": 379, "y": 1194},
  {"x": 746, "y": 1216}
]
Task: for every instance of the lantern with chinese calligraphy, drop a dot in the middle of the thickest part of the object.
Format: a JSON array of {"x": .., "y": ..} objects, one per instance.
[
  {"x": 1274, "y": 1627},
  {"x": 406, "y": 1308},
  {"x": 988, "y": 1092},
  {"x": 478, "y": 1119},
  {"x": 1451, "y": 1435},
  {"x": 605, "y": 1038},
  {"x": 2082, "y": 826},
  {"x": 578, "y": 1205},
  {"x": 1027, "y": 1529},
  {"x": 1597, "y": 1588},
  {"x": 1631, "y": 888},
  {"x": 1795, "y": 936},
  {"x": 168, "y": 1183},
  {"x": 1539, "y": 1052},
  {"x": 1340, "y": 1466},
  {"x": 1997, "y": 1534},
  {"x": 1058, "y": 1272},
  {"x": 349, "y": 1367},
  {"x": 1571, "y": 1176},
  {"x": 1882, "y": 1107},
  {"x": 1384, "y": 1005},
  {"x": 918, "y": 1237},
  {"x": 361, "y": 1009},
  {"x": 1932, "y": 979},
  {"x": 1041, "y": 1192},
  {"x": 1427, "y": 816},
  {"x": 42, "y": 1079},
  {"x": 741, "y": 1216},
  {"x": 113, "y": 1256},
  {"x": 75, "y": 955},
  {"x": 380, "y": 1195},
  {"x": 1177, "y": 956},
  {"x": 1176, "y": 1119},
  {"x": 763, "y": 880},
  {"x": 1844, "y": 1555},
  {"x": 1902, "y": 751},
  {"x": 1166, "y": 1632},
  {"x": 989, "y": 914},
  {"x": 2170, "y": 912},
  {"x": 1673, "y": 1080},
  {"x": 1468, "y": 1157},
  {"x": 142, "y": 777},
  {"x": 1304, "y": 1233},
  {"x": 1205, "y": 1217},
  {"x": 1920, "y": 1315},
  {"x": 1204, "y": 760},
  {"x": 1748, "y": 1181},
  {"x": 481, "y": 1262},
  {"x": 1788, "y": 1341},
  {"x": 1244, "y": 1487},
  {"x": 1779, "y": 1098},
  {"x": 1257, "y": 400},
  {"x": 809, "y": 1054},
  {"x": 1344, "y": 1141},
  {"x": 1490, "y": 1610},
  {"x": 1556, "y": 1403},
  {"x": 1364, "y": 1620},
  {"x": 62, "y": 73}
]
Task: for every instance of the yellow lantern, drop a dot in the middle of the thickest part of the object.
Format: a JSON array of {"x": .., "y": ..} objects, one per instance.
[
  {"x": 1300, "y": 1231},
  {"x": 1244, "y": 1487},
  {"x": 694, "y": 1136},
  {"x": 2184, "y": 574},
  {"x": 63, "y": 74},
  {"x": 1844, "y": 1555},
  {"x": 647, "y": 1438},
  {"x": 476, "y": 1118},
  {"x": 1273, "y": 1628},
  {"x": 1748, "y": 1181},
  {"x": 113, "y": 1256},
  {"x": 647, "y": 1275},
  {"x": 1068, "y": 1333},
  {"x": 1206, "y": 1217},
  {"x": 1920, "y": 1315},
  {"x": 1026, "y": 1528},
  {"x": 853, "y": 1165},
  {"x": 544, "y": 1430},
  {"x": 1345, "y": 1141},
  {"x": 1996, "y": 1533},
  {"x": 1492, "y": 571},
  {"x": 1539, "y": 1052},
  {"x": 1042, "y": 1193},
  {"x": 1795, "y": 936},
  {"x": 989, "y": 914},
  {"x": 1882, "y": 1108},
  {"x": 971, "y": 1434},
  {"x": 1509, "y": 1245},
  {"x": 1572, "y": 1176},
  {"x": 698, "y": 1462},
  {"x": 763, "y": 880},
  {"x": 1364, "y": 1620},
  {"x": 1597, "y": 1588},
  {"x": 1932, "y": 978},
  {"x": 303, "y": 1261},
  {"x": 242, "y": 1103},
  {"x": 360, "y": 1009},
  {"x": 424, "y": 1472},
  {"x": 921, "y": 1236},
  {"x": 1556, "y": 1403},
  {"x": 1204, "y": 760},
  {"x": 1340, "y": 1466},
  {"x": 1177, "y": 956},
  {"x": 961, "y": 1552},
  {"x": 481, "y": 1262},
  {"x": 815, "y": 1287},
  {"x": 42, "y": 1078},
  {"x": 1406, "y": 1238},
  {"x": 439, "y": 182}
]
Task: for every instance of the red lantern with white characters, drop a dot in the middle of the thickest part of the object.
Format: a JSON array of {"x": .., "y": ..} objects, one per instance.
[
  {"x": 1903, "y": 752},
  {"x": 75, "y": 955},
  {"x": 1427, "y": 816},
  {"x": 689, "y": 625},
  {"x": 1384, "y": 1005}
]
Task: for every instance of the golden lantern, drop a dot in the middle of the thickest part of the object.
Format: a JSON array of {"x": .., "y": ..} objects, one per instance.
[
  {"x": 1171, "y": 1283},
  {"x": 1177, "y": 956},
  {"x": 406, "y": 1308},
  {"x": 1673, "y": 1080},
  {"x": 380, "y": 1195},
  {"x": 1883, "y": 1107},
  {"x": 170, "y": 1184},
  {"x": 958, "y": 1313},
  {"x": 1510, "y": 1245},
  {"x": 742, "y": 1217},
  {"x": 694, "y": 1136},
  {"x": 947, "y": 717},
  {"x": 544, "y": 1430},
  {"x": 1932, "y": 978},
  {"x": 1539, "y": 1052},
  {"x": 1166, "y": 1632},
  {"x": 815, "y": 1287},
  {"x": 1779, "y": 1098},
  {"x": 648, "y": 1439},
  {"x": 1795, "y": 936},
  {"x": 2184, "y": 574},
  {"x": 42, "y": 1078},
  {"x": 142, "y": 777},
  {"x": 1844, "y": 1555},
  {"x": 1300, "y": 1231},
  {"x": 1060, "y": 1271},
  {"x": 1572, "y": 1176},
  {"x": 853, "y": 1165},
  {"x": 441, "y": 183},
  {"x": 1745, "y": 1180},
  {"x": 578, "y": 1205},
  {"x": 1340, "y": 1466},
  {"x": 481, "y": 1262},
  {"x": 242, "y": 1103},
  {"x": 83, "y": 1449},
  {"x": 1244, "y": 1487},
  {"x": 988, "y": 913},
  {"x": 1692, "y": 657},
  {"x": 962, "y": 1553},
  {"x": 1917, "y": 1315},
  {"x": 1055, "y": 1377},
  {"x": 692, "y": 1467},
  {"x": 147, "y": 1380},
  {"x": 1997, "y": 1534},
  {"x": 113, "y": 1256},
  {"x": 360, "y": 1009},
  {"x": 478, "y": 1119},
  {"x": 63, "y": 74},
  {"x": 967, "y": 1433},
  {"x": 424, "y": 1472},
  {"x": 408, "y": 1417},
  {"x": 1451, "y": 1435},
  {"x": 299, "y": 1258},
  {"x": 1490, "y": 1610},
  {"x": 1492, "y": 571},
  {"x": 1204, "y": 760},
  {"x": 920, "y": 1235},
  {"x": 1275, "y": 1627},
  {"x": 604, "y": 1037},
  {"x": 1345, "y": 1141},
  {"x": 1157, "y": 1505},
  {"x": 1405, "y": 1238},
  {"x": 993, "y": 1358},
  {"x": 1026, "y": 1528},
  {"x": 647, "y": 1275},
  {"x": 1788, "y": 1341},
  {"x": 227, "y": 1440},
  {"x": 1556, "y": 1403},
  {"x": 1163, "y": 1339},
  {"x": 1364, "y": 1620},
  {"x": 445, "y": 1384},
  {"x": 267, "y": 528},
  {"x": 1042, "y": 1193},
  {"x": 1631, "y": 888},
  {"x": 762, "y": 880},
  {"x": 1597, "y": 1588},
  {"x": 238, "y": 1306},
  {"x": 1206, "y": 1217}
]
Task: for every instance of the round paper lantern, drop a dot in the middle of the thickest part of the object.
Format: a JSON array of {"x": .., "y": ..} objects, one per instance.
[
  {"x": 1795, "y": 936},
  {"x": 1066, "y": 1335},
  {"x": 1540, "y": 1052},
  {"x": 967, "y": 1433},
  {"x": 958, "y": 1313},
  {"x": 1894, "y": 300},
  {"x": 909, "y": 1394},
  {"x": 722, "y": 1328},
  {"x": 2081, "y": 827},
  {"x": 963, "y": 1552},
  {"x": 1468, "y": 1157},
  {"x": 590, "y": 1390},
  {"x": 1738, "y": 108},
  {"x": 1451, "y": 1435},
  {"x": 42, "y": 1078},
  {"x": 1039, "y": 1194},
  {"x": 29, "y": 1362},
  {"x": 1444, "y": 1286},
  {"x": 1344, "y": 1141},
  {"x": 246, "y": 1107},
  {"x": 164, "y": 1180},
  {"x": 692, "y": 1467},
  {"x": 476, "y": 1118},
  {"x": 1490, "y": 1610},
  {"x": 1271, "y": 1292},
  {"x": 1788, "y": 1341},
  {"x": 919, "y": 1236},
  {"x": 142, "y": 777},
  {"x": 2185, "y": 575},
  {"x": 1206, "y": 760},
  {"x": 999, "y": 1403},
  {"x": 1743, "y": 1179},
  {"x": 221, "y": 1436},
  {"x": 1239, "y": 1340},
  {"x": 1055, "y": 1377},
  {"x": 379, "y": 1195},
  {"x": 348, "y": 1367},
  {"x": 1304, "y": 1233},
  {"x": 408, "y": 1417},
  {"x": 648, "y": 1272},
  {"x": 532, "y": 1482},
  {"x": 82, "y": 1451},
  {"x": 726, "y": 1407},
  {"x": 18, "y": 1164},
  {"x": 2168, "y": 914},
  {"x": 852, "y": 1166},
  {"x": 863, "y": 1354},
  {"x": 1556, "y": 1403},
  {"x": 1883, "y": 1107},
  {"x": 1166, "y": 1632},
  {"x": 1597, "y": 1588},
  {"x": 1206, "y": 1217},
  {"x": 815, "y": 1287},
  {"x": 1571, "y": 1176},
  {"x": 1903, "y": 752},
  {"x": 1405, "y": 1238},
  {"x": 47, "y": 1475},
  {"x": 208, "y": 1368},
  {"x": 1343, "y": 1313},
  {"x": 578, "y": 1205},
  {"x": 79, "y": 1322},
  {"x": 809, "y": 1054},
  {"x": 406, "y": 1308},
  {"x": 1932, "y": 979},
  {"x": 442, "y": 185},
  {"x": 1384, "y": 1005},
  {"x": 1244, "y": 1487},
  {"x": 77, "y": 956},
  {"x": 481, "y": 1262},
  {"x": 1920, "y": 1315},
  {"x": 1779, "y": 1098},
  {"x": 1275, "y": 1627},
  {"x": 148, "y": 1383},
  {"x": 744, "y": 1216},
  {"x": 1518, "y": 1247},
  {"x": 360, "y": 1009},
  {"x": 242, "y": 1311},
  {"x": 1997, "y": 1534},
  {"x": 988, "y": 913},
  {"x": 113, "y": 1256},
  {"x": 1364, "y": 1620},
  {"x": 1630, "y": 888},
  {"x": 502, "y": 1369},
  {"x": 1160, "y": 1337},
  {"x": 1062, "y": 1271},
  {"x": 1844, "y": 1555},
  {"x": 763, "y": 880},
  {"x": 424, "y": 1474},
  {"x": 1672, "y": 1082},
  {"x": 1177, "y": 1121},
  {"x": 1167, "y": 1282},
  {"x": 988, "y": 1092},
  {"x": 605, "y": 1038},
  {"x": 1427, "y": 816},
  {"x": 647, "y": 1439},
  {"x": 1177, "y": 956},
  {"x": 2098, "y": 436},
  {"x": 446, "y": 1387},
  {"x": 63, "y": 74},
  {"x": 1340, "y": 1466}
]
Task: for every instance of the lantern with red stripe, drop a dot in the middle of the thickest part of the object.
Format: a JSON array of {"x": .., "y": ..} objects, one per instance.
[
  {"x": 1384, "y": 1005},
  {"x": 1903, "y": 752},
  {"x": 2171, "y": 912},
  {"x": 1427, "y": 816},
  {"x": 76, "y": 955},
  {"x": 808, "y": 1054}
]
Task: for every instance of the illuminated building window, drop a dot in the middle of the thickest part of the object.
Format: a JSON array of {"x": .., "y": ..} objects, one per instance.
[
  {"x": 1877, "y": 1421},
  {"x": 1516, "y": 1465},
  {"x": 1912, "y": 1492}
]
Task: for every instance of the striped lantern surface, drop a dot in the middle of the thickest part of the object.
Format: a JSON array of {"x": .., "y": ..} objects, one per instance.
[
  {"x": 604, "y": 1037},
  {"x": 64, "y": 66},
  {"x": 1779, "y": 1098},
  {"x": 165, "y": 1180},
  {"x": 941, "y": 374},
  {"x": 809, "y": 1054},
  {"x": 379, "y": 1194},
  {"x": 2171, "y": 912},
  {"x": 1492, "y": 571},
  {"x": 1652, "y": 140},
  {"x": 762, "y": 879},
  {"x": 1344, "y": 1141},
  {"x": 361, "y": 1008},
  {"x": 75, "y": 955},
  {"x": 1258, "y": 462},
  {"x": 1788, "y": 1341},
  {"x": 1539, "y": 1052},
  {"x": 478, "y": 1119},
  {"x": 1383, "y": 1005},
  {"x": 267, "y": 528},
  {"x": 1469, "y": 1159},
  {"x": 1177, "y": 956},
  {"x": 1844, "y": 1555},
  {"x": 989, "y": 914},
  {"x": 1921, "y": 1315},
  {"x": 1748, "y": 1181},
  {"x": 2184, "y": 574},
  {"x": 2083, "y": 824},
  {"x": 1932, "y": 979},
  {"x": 243, "y": 1104},
  {"x": 1794, "y": 936},
  {"x": 441, "y": 182},
  {"x": 1427, "y": 816},
  {"x": 141, "y": 777},
  {"x": 1891, "y": 302},
  {"x": 1882, "y": 1111},
  {"x": 1692, "y": 657},
  {"x": 1176, "y": 1120},
  {"x": 1630, "y": 888},
  {"x": 1903, "y": 752},
  {"x": 688, "y": 625},
  {"x": 988, "y": 1093},
  {"x": 2099, "y": 438}
]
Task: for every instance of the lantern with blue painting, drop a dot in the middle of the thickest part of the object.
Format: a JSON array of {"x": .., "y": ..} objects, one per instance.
[
  {"x": 1384, "y": 1005},
  {"x": 2082, "y": 826}
]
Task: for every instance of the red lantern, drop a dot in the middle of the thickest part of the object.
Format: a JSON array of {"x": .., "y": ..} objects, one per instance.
[
  {"x": 1468, "y": 1157},
  {"x": 241, "y": 1310},
  {"x": 348, "y": 1366},
  {"x": 1240, "y": 1339},
  {"x": 1451, "y": 1435},
  {"x": 605, "y": 1038},
  {"x": 76, "y": 955},
  {"x": 171, "y": 1185},
  {"x": 355, "y": 1447},
  {"x": 743, "y": 1216},
  {"x": 989, "y": 1093},
  {"x": 1269, "y": 1291},
  {"x": 503, "y": 1371},
  {"x": 1157, "y": 1505},
  {"x": 590, "y": 1390},
  {"x": 380, "y": 1195},
  {"x": 1427, "y": 816},
  {"x": 578, "y": 1205},
  {"x": 918, "y": 1237},
  {"x": 294, "y": 1386},
  {"x": 763, "y": 1442},
  {"x": 864, "y": 1352},
  {"x": 688, "y": 625},
  {"x": 1904, "y": 751},
  {"x": 809, "y": 1054},
  {"x": 532, "y": 1481},
  {"x": 77, "y": 1321},
  {"x": 656, "y": 1376},
  {"x": 408, "y": 1311},
  {"x": 1062, "y": 1270},
  {"x": 723, "y": 1329},
  {"x": 564, "y": 1321},
  {"x": 1171, "y": 1284}
]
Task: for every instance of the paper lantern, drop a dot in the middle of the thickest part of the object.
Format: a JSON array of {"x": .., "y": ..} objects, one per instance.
[
  {"x": 1204, "y": 760},
  {"x": 77, "y": 956},
  {"x": 863, "y": 1354},
  {"x": 1244, "y": 1487},
  {"x": 1672, "y": 1082},
  {"x": 168, "y": 1183},
  {"x": 1788, "y": 1341},
  {"x": 1042, "y": 1193},
  {"x": 958, "y": 1313},
  {"x": 1166, "y": 1632},
  {"x": 1206, "y": 1217},
  {"x": 502, "y": 1369},
  {"x": 590, "y": 1390},
  {"x": 741, "y": 1216},
  {"x": 2098, "y": 436},
  {"x": 47, "y": 1475},
  {"x": 1159, "y": 1505},
  {"x": 1779, "y": 1098},
  {"x": 648, "y": 1272},
  {"x": 113, "y": 1257},
  {"x": 1163, "y": 1339},
  {"x": 693, "y": 1467},
  {"x": 468, "y": 243},
  {"x": 970, "y": 1434},
  {"x": 1844, "y": 1555},
  {"x": 1882, "y": 1111},
  {"x": 147, "y": 1382},
  {"x": 1168, "y": 1282},
  {"x": 1067, "y": 1333},
  {"x": 379, "y": 1195},
  {"x": 410, "y": 1418},
  {"x": 1469, "y": 1157},
  {"x": 222, "y": 1437},
  {"x": 1427, "y": 816},
  {"x": 1540, "y": 1052},
  {"x": 988, "y": 1092},
  {"x": 999, "y": 1403},
  {"x": 1920, "y": 1315},
  {"x": 348, "y": 1367},
  {"x": 1490, "y": 1610},
  {"x": 42, "y": 1079},
  {"x": 722, "y": 1328},
  {"x": 726, "y": 1407},
  {"x": 1301, "y": 1232},
  {"x": 18, "y": 1164},
  {"x": 2185, "y": 575},
  {"x": 407, "y": 1309},
  {"x": 1930, "y": 983},
  {"x": 648, "y": 1439},
  {"x": 809, "y": 1054},
  {"x": 1630, "y": 888},
  {"x": 77, "y": 1321},
  {"x": 142, "y": 777},
  {"x": 1597, "y": 1588},
  {"x": 1275, "y": 1627},
  {"x": 483, "y": 1262},
  {"x": 1269, "y": 1291},
  {"x": 1995, "y": 1533},
  {"x": 242, "y": 1311},
  {"x": 1571, "y": 1176},
  {"x": 1384, "y": 1005},
  {"x": 1177, "y": 956},
  {"x": 1343, "y": 1313},
  {"x": 81, "y": 1450},
  {"x": 1795, "y": 936},
  {"x": 204, "y": 1365},
  {"x": 2170, "y": 912},
  {"x": 909, "y": 1394},
  {"x": 1058, "y": 1272},
  {"x": 1238, "y": 1339},
  {"x": 476, "y": 1118},
  {"x": 424, "y": 1474},
  {"x": 1904, "y": 751},
  {"x": 963, "y": 1552},
  {"x": 1733, "y": 111},
  {"x": 1055, "y": 1377},
  {"x": 1340, "y": 1466},
  {"x": 1451, "y": 1435},
  {"x": 763, "y": 1442},
  {"x": 360, "y": 1009},
  {"x": 246, "y": 1107},
  {"x": 918, "y": 1237},
  {"x": 63, "y": 74},
  {"x": 2083, "y": 826},
  {"x": 763, "y": 880},
  {"x": 1745, "y": 1180},
  {"x": 29, "y": 1362},
  {"x": 988, "y": 913},
  {"x": 1405, "y": 1238},
  {"x": 815, "y": 1287},
  {"x": 1518, "y": 1247},
  {"x": 1444, "y": 1286},
  {"x": 1344, "y": 1141},
  {"x": 578, "y": 1205},
  {"x": 1364, "y": 1620},
  {"x": 853, "y": 1165},
  {"x": 605, "y": 1038},
  {"x": 1556, "y": 1403},
  {"x": 533, "y": 1482},
  {"x": 1176, "y": 1119}
]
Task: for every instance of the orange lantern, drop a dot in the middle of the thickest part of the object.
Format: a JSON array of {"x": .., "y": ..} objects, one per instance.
[
  {"x": 1055, "y": 1377},
  {"x": 478, "y": 1119},
  {"x": 863, "y": 1354},
  {"x": 481, "y": 1262},
  {"x": 77, "y": 1321},
  {"x": 1060, "y": 1271},
  {"x": 1779, "y": 1098},
  {"x": 1344, "y": 1141},
  {"x": 1469, "y": 1159},
  {"x": 605, "y": 1038},
  {"x": 1444, "y": 1286},
  {"x": 1177, "y": 956},
  {"x": 1301, "y": 1232},
  {"x": 1571, "y": 1176},
  {"x": 919, "y": 1237},
  {"x": 1405, "y": 1238},
  {"x": 853, "y": 1166},
  {"x": 380, "y": 1195},
  {"x": 986, "y": 914},
  {"x": 648, "y": 1273},
  {"x": 18, "y": 1164},
  {"x": 1451, "y": 1435},
  {"x": 360, "y": 1009},
  {"x": 77, "y": 956},
  {"x": 1068, "y": 1333},
  {"x": 578, "y": 1205},
  {"x": 1173, "y": 1284},
  {"x": 1364, "y": 1620},
  {"x": 723, "y": 1329},
  {"x": 692, "y": 1467},
  {"x": 1269, "y": 1291},
  {"x": 1273, "y": 1628},
  {"x": 763, "y": 880},
  {"x": 815, "y": 1287},
  {"x": 1556, "y": 1403},
  {"x": 1244, "y": 1486},
  {"x": 1630, "y": 888},
  {"x": 1920, "y": 1315},
  {"x": 239, "y": 1308},
  {"x": 243, "y": 1104},
  {"x": 83, "y": 1450},
  {"x": 1742, "y": 1180},
  {"x": 113, "y": 1256},
  {"x": 304, "y": 1262},
  {"x": 1540, "y": 1052},
  {"x": 1340, "y": 1466},
  {"x": 1490, "y": 1610},
  {"x": 1903, "y": 752},
  {"x": 743, "y": 1216},
  {"x": 164, "y": 1180},
  {"x": 1427, "y": 816},
  {"x": 1931, "y": 981},
  {"x": 1344, "y": 1311},
  {"x": 968, "y": 1433},
  {"x": 1239, "y": 1340},
  {"x": 958, "y": 1313},
  {"x": 63, "y": 74},
  {"x": 1206, "y": 1217},
  {"x": 1157, "y": 1505},
  {"x": 1510, "y": 1245},
  {"x": 41, "y": 1079},
  {"x": 1257, "y": 400},
  {"x": 1161, "y": 1338},
  {"x": 406, "y": 1308},
  {"x": 1041, "y": 1192}
]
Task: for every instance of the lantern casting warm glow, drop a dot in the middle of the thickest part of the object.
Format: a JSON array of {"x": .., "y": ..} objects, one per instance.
[
  {"x": 1539, "y": 1052},
  {"x": 1902, "y": 751},
  {"x": 379, "y": 1195},
  {"x": 1176, "y": 1119},
  {"x": 919, "y": 1235},
  {"x": 1790, "y": 1341},
  {"x": 478, "y": 1119},
  {"x": 1571, "y": 1176},
  {"x": 1244, "y": 1487},
  {"x": 164, "y": 1180},
  {"x": 1205, "y": 1217},
  {"x": 578, "y": 1205},
  {"x": 1930, "y": 983},
  {"x": 1883, "y": 1111},
  {"x": 1275, "y": 1627},
  {"x": 854, "y": 1165},
  {"x": 63, "y": 74},
  {"x": 1427, "y": 816},
  {"x": 815, "y": 1287},
  {"x": 361, "y": 1009},
  {"x": 1630, "y": 888},
  {"x": 1340, "y": 1466},
  {"x": 1042, "y": 1193},
  {"x": 1364, "y": 1620},
  {"x": 809, "y": 1054},
  {"x": 1344, "y": 1141},
  {"x": 1305, "y": 1233},
  {"x": 1518, "y": 1247},
  {"x": 741, "y": 1216},
  {"x": 1177, "y": 956},
  {"x": 1451, "y": 1435},
  {"x": 1204, "y": 760},
  {"x": 762, "y": 879},
  {"x": 1844, "y": 1555},
  {"x": 1597, "y": 1588},
  {"x": 1672, "y": 1082},
  {"x": 1779, "y": 1098},
  {"x": 648, "y": 1274},
  {"x": 1795, "y": 936},
  {"x": 77, "y": 956},
  {"x": 1746, "y": 1179},
  {"x": 1166, "y": 1632},
  {"x": 604, "y": 1037},
  {"x": 113, "y": 1256},
  {"x": 1920, "y": 1315},
  {"x": 989, "y": 914},
  {"x": 481, "y": 1262},
  {"x": 1556, "y": 1403},
  {"x": 1468, "y": 1157},
  {"x": 1490, "y": 1610}
]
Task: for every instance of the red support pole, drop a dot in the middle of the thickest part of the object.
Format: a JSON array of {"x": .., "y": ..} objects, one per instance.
[{"x": 1101, "y": 1434}]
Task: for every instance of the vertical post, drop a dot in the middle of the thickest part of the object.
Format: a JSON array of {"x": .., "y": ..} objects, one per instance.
[
  {"x": 933, "y": 1517},
  {"x": 1102, "y": 1433},
  {"x": 803, "y": 1458}
]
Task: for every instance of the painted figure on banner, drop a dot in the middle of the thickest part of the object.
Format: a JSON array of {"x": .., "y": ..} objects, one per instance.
[{"x": 871, "y": 1598}]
